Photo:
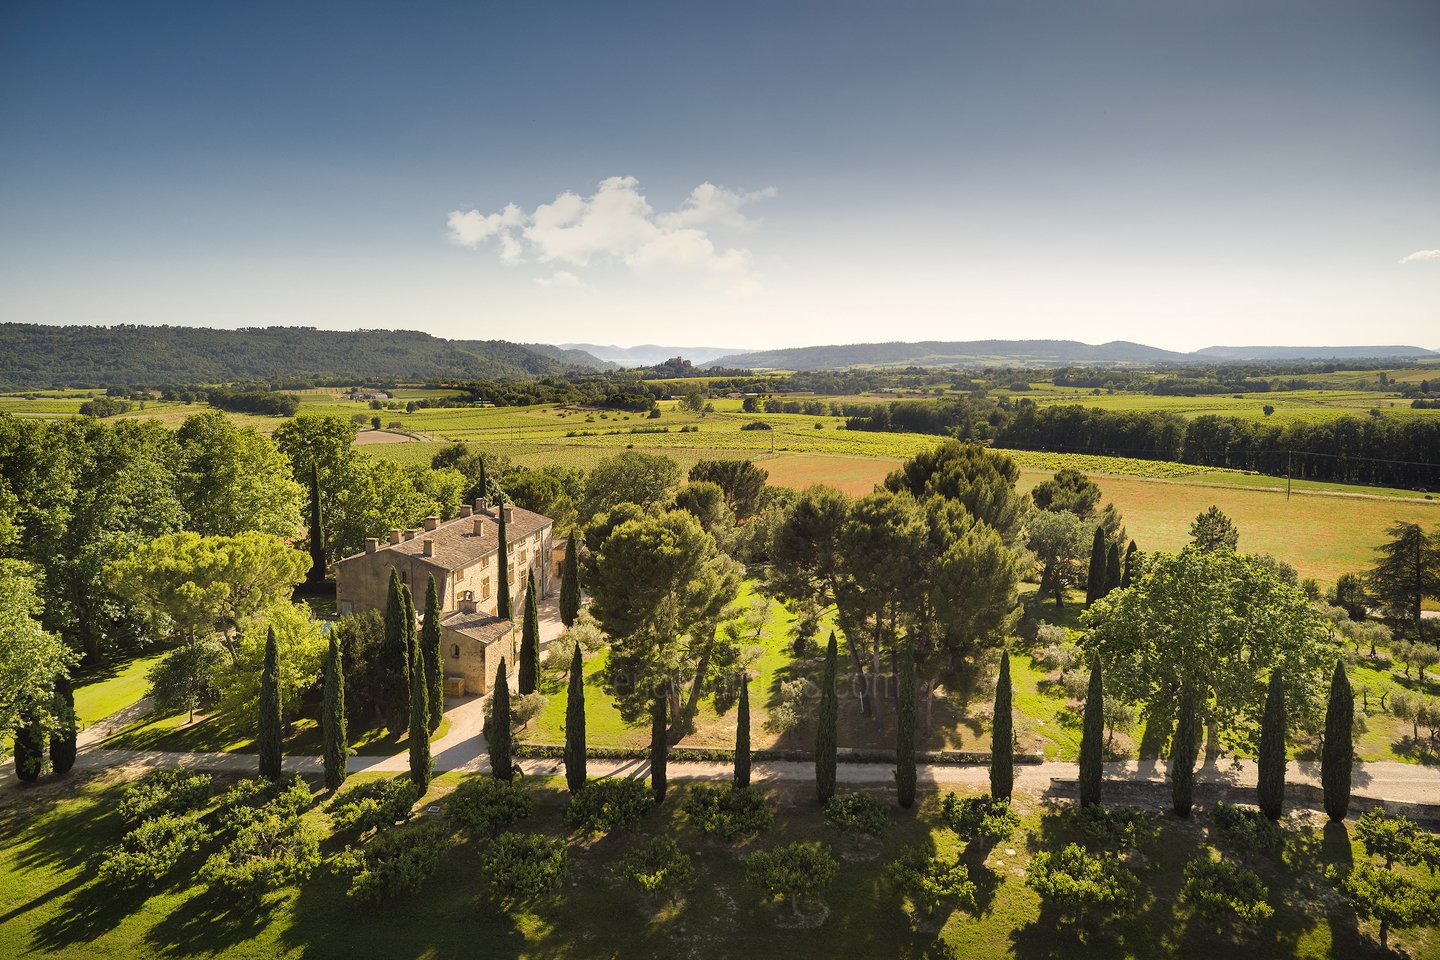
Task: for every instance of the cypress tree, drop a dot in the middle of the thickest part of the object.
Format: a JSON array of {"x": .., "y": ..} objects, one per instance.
[
  {"x": 1128, "y": 576},
  {"x": 575, "y": 773},
  {"x": 1095, "y": 582},
  {"x": 742, "y": 734},
  {"x": 657, "y": 746},
  {"x": 29, "y": 744},
  {"x": 317, "y": 530},
  {"x": 1338, "y": 753},
  {"x": 826, "y": 735},
  {"x": 570, "y": 582},
  {"x": 1270, "y": 790},
  {"x": 1113, "y": 576},
  {"x": 430, "y": 655},
  {"x": 498, "y": 732},
  {"x": 482, "y": 481},
  {"x": 1184, "y": 747},
  {"x": 419, "y": 718},
  {"x": 62, "y": 739},
  {"x": 407, "y": 638},
  {"x": 1092, "y": 737},
  {"x": 530, "y": 640},
  {"x": 332, "y": 718},
  {"x": 270, "y": 710},
  {"x": 1002, "y": 735},
  {"x": 397, "y": 681},
  {"x": 502, "y": 592},
  {"x": 905, "y": 732}
]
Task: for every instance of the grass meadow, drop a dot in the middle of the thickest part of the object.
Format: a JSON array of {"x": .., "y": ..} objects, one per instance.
[{"x": 51, "y": 904}]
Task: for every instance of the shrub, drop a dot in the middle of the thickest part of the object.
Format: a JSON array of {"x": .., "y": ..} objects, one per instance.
[
  {"x": 395, "y": 862},
  {"x": 1222, "y": 891},
  {"x": 271, "y": 845},
  {"x": 930, "y": 882},
  {"x": 526, "y": 707},
  {"x": 1393, "y": 838},
  {"x": 164, "y": 791},
  {"x": 1075, "y": 880},
  {"x": 979, "y": 818},
  {"x": 857, "y": 813},
  {"x": 522, "y": 866},
  {"x": 374, "y": 805},
  {"x": 149, "y": 851},
  {"x": 1112, "y": 828},
  {"x": 755, "y": 425},
  {"x": 657, "y": 865},
  {"x": 606, "y": 805},
  {"x": 1245, "y": 830},
  {"x": 488, "y": 805},
  {"x": 730, "y": 812},
  {"x": 791, "y": 871}
]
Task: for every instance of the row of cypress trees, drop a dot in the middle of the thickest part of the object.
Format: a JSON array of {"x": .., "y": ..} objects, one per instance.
[
  {"x": 29, "y": 740},
  {"x": 1107, "y": 570}
]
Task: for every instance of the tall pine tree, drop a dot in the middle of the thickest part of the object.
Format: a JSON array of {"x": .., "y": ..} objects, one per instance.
[
  {"x": 826, "y": 735},
  {"x": 317, "y": 530},
  {"x": 419, "y": 717},
  {"x": 1270, "y": 789},
  {"x": 905, "y": 732},
  {"x": 502, "y": 591},
  {"x": 1338, "y": 753},
  {"x": 270, "y": 710},
  {"x": 1184, "y": 747},
  {"x": 497, "y": 731},
  {"x": 1113, "y": 575},
  {"x": 570, "y": 582},
  {"x": 430, "y": 656},
  {"x": 1002, "y": 735},
  {"x": 575, "y": 773},
  {"x": 1095, "y": 582},
  {"x": 658, "y": 747},
  {"x": 332, "y": 718},
  {"x": 742, "y": 733},
  {"x": 530, "y": 640},
  {"x": 62, "y": 738},
  {"x": 1092, "y": 737},
  {"x": 1128, "y": 577}
]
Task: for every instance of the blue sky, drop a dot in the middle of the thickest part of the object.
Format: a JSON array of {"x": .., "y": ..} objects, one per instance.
[{"x": 746, "y": 174}]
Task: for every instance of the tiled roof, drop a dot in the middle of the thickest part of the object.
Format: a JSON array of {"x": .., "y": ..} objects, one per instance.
[
  {"x": 481, "y": 626},
  {"x": 455, "y": 542}
]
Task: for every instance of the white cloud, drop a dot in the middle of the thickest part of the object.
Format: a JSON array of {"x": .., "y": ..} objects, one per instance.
[
  {"x": 616, "y": 224},
  {"x": 1421, "y": 256},
  {"x": 560, "y": 278}
]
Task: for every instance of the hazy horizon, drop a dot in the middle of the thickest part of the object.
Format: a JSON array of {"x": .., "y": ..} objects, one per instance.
[{"x": 785, "y": 175}]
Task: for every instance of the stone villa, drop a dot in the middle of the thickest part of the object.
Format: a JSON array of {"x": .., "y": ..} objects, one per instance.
[{"x": 463, "y": 556}]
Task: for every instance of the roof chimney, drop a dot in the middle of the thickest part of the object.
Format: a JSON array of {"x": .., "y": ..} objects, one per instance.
[
  {"x": 409, "y": 534},
  {"x": 480, "y": 526},
  {"x": 427, "y": 549},
  {"x": 394, "y": 534},
  {"x": 371, "y": 544},
  {"x": 431, "y": 522},
  {"x": 466, "y": 510},
  {"x": 509, "y": 513}
]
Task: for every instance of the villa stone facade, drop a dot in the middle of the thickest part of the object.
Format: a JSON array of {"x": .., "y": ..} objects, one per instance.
[{"x": 463, "y": 556}]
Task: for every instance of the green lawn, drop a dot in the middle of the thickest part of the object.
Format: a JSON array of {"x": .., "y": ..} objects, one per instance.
[
  {"x": 219, "y": 733},
  {"x": 51, "y": 839},
  {"x": 101, "y": 692}
]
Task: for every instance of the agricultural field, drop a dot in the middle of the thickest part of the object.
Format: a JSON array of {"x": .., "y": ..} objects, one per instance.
[{"x": 52, "y": 901}]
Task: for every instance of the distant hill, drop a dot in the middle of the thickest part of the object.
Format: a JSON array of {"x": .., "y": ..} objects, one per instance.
[
  {"x": 648, "y": 354},
  {"x": 1032, "y": 353},
  {"x": 1314, "y": 353},
  {"x": 944, "y": 353},
  {"x": 37, "y": 356}
]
